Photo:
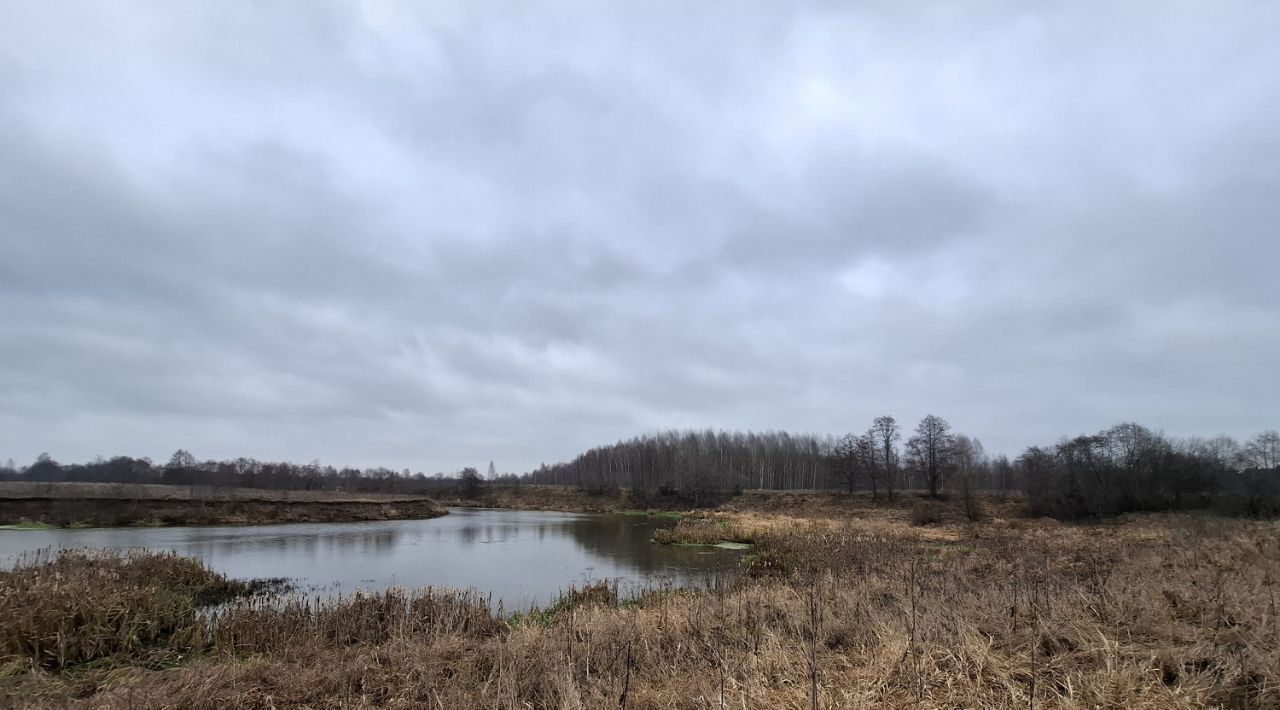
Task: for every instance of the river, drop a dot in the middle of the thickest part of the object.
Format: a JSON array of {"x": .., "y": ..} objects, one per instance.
[{"x": 519, "y": 558}]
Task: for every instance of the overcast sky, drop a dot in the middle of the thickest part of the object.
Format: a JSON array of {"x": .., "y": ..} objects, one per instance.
[{"x": 431, "y": 234}]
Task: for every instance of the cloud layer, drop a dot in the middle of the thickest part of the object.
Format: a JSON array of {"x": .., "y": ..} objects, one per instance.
[{"x": 390, "y": 233}]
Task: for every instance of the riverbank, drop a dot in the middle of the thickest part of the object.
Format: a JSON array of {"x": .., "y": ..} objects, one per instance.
[
  {"x": 907, "y": 506},
  {"x": 109, "y": 505},
  {"x": 565, "y": 499},
  {"x": 1146, "y": 612}
]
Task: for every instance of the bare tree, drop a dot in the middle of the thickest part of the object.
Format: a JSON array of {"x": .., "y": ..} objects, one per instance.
[
  {"x": 1219, "y": 455},
  {"x": 886, "y": 433},
  {"x": 44, "y": 469},
  {"x": 181, "y": 460},
  {"x": 931, "y": 449},
  {"x": 970, "y": 459},
  {"x": 1130, "y": 468},
  {"x": 1003, "y": 472},
  {"x": 1263, "y": 450},
  {"x": 854, "y": 458},
  {"x": 1222, "y": 450},
  {"x": 670, "y": 461},
  {"x": 471, "y": 482},
  {"x": 181, "y": 469}
]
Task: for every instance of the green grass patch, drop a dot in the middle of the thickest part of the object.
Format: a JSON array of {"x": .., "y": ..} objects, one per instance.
[
  {"x": 722, "y": 545},
  {"x": 662, "y": 514},
  {"x": 531, "y": 618},
  {"x": 600, "y": 593},
  {"x": 27, "y": 526}
]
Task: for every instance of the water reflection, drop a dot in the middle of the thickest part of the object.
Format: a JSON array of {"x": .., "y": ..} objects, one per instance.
[{"x": 518, "y": 557}]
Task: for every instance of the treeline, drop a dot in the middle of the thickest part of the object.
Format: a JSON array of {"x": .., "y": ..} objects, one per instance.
[
  {"x": 1130, "y": 468},
  {"x": 701, "y": 465},
  {"x": 1126, "y": 468},
  {"x": 183, "y": 469}
]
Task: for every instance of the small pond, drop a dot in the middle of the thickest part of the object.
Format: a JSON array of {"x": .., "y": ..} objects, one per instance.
[{"x": 519, "y": 558}]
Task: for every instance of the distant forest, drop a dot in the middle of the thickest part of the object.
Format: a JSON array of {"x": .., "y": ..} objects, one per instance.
[
  {"x": 183, "y": 469},
  {"x": 1126, "y": 468}
]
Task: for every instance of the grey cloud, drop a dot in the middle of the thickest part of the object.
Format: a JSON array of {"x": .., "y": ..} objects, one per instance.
[{"x": 430, "y": 237}]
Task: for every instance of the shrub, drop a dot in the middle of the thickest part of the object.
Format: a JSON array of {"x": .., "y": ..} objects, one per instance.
[{"x": 926, "y": 513}]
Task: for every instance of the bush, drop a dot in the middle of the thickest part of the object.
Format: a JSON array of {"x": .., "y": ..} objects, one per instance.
[
  {"x": 926, "y": 513},
  {"x": 974, "y": 510}
]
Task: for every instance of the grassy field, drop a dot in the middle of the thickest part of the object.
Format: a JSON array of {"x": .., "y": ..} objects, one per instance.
[
  {"x": 807, "y": 504},
  {"x": 846, "y": 605},
  {"x": 126, "y": 491},
  {"x": 111, "y": 504}
]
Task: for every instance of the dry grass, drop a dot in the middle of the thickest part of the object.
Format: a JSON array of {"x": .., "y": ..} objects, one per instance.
[
  {"x": 81, "y": 606},
  {"x": 150, "y": 491},
  {"x": 115, "y": 504},
  {"x": 1152, "y": 612},
  {"x": 861, "y": 506},
  {"x": 711, "y": 530}
]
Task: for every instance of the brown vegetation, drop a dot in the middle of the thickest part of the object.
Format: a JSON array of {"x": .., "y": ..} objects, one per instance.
[
  {"x": 148, "y": 491},
  {"x": 109, "y": 504},
  {"x": 712, "y": 530},
  {"x": 564, "y": 498},
  {"x": 862, "y": 506},
  {"x": 81, "y": 606},
  {"x": 806, "y": 504},
  {"x": 838, "y": 611}
]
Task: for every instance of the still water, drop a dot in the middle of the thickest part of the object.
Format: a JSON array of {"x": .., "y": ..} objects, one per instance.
[{"x": 520, "y": 558}]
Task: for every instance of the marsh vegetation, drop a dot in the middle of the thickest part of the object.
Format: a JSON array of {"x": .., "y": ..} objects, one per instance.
[{"x": 844, "y": 604}]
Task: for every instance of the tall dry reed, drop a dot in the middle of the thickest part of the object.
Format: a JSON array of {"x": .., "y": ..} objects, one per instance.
[
  {"x": 78, "y": 605},
  {"x": 1153, "y": 612}
]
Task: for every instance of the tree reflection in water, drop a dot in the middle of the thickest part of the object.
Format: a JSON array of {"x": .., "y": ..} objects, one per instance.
[{"x": 521, "y": 558}]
